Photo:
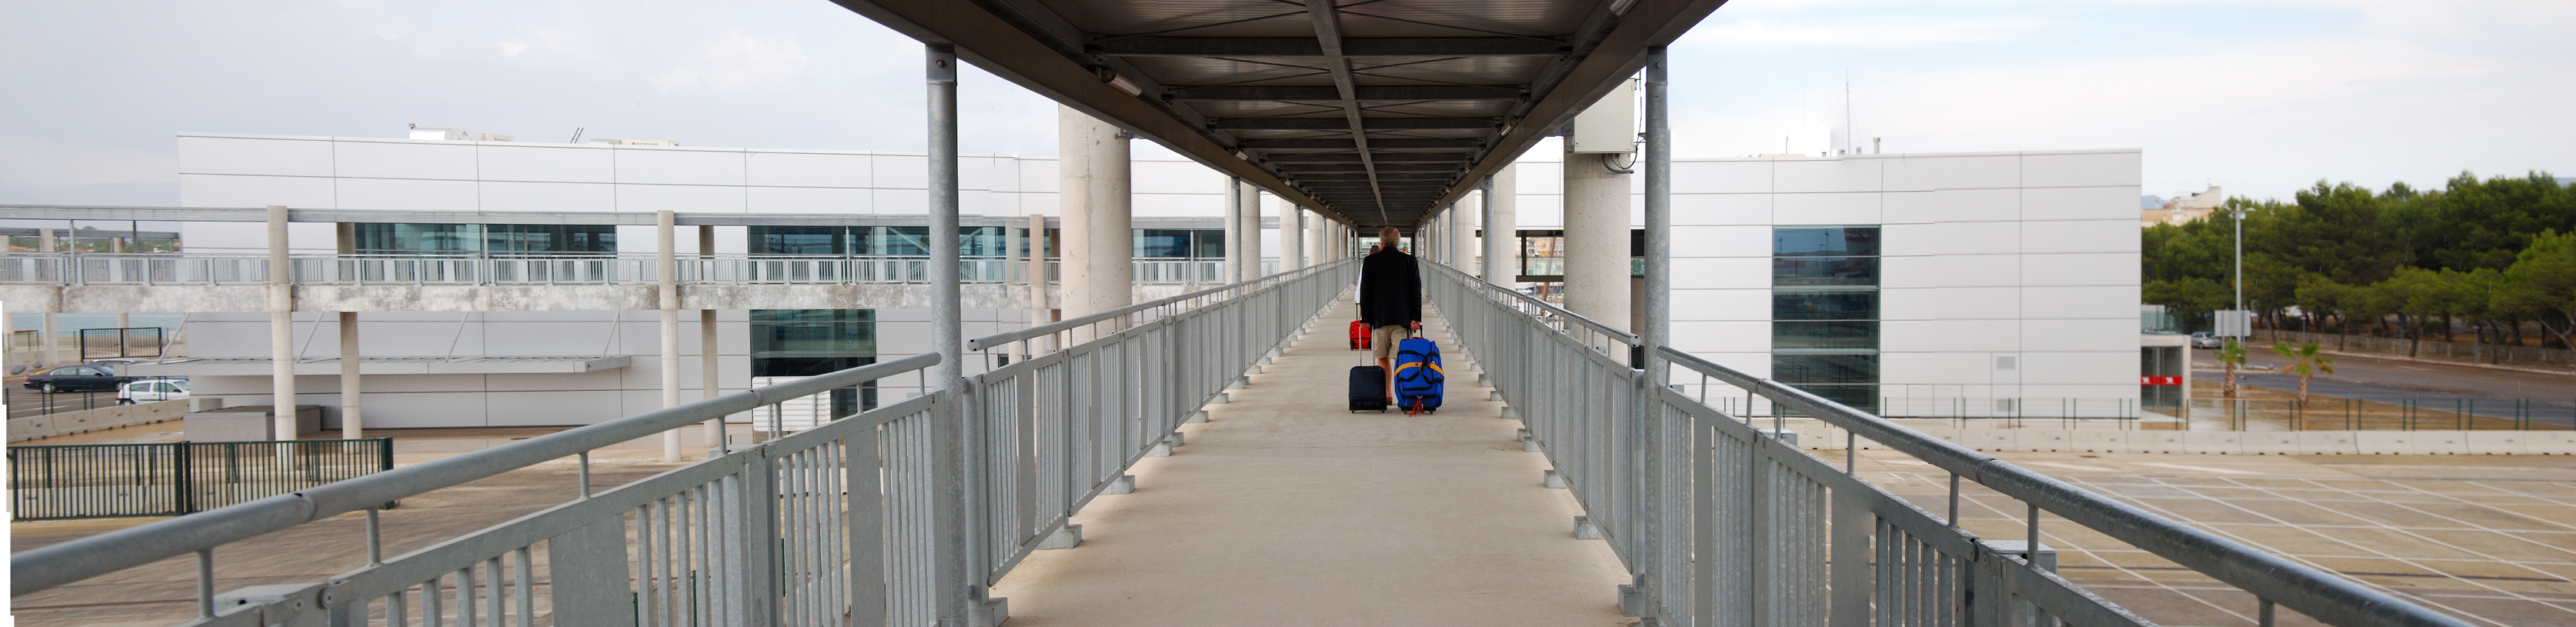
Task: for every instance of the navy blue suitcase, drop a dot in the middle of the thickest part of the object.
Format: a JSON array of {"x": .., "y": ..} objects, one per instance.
[{"x": 1368, "y": 388}]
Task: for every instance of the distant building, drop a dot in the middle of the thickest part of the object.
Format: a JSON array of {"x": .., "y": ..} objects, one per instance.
[{"x": 2184, "y": 209}]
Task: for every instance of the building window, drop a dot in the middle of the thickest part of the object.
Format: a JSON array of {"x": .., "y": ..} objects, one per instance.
[
  {"x": 504, "y": 239},
  {"x": 809, "y": 342},
  {"x": 896, "y": 241},
  {"x": 1824, "y": 311}
]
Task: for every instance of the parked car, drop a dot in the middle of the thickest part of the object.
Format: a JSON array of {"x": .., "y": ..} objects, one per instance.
[
  {"x": 93, "y": 377},
  {"x": 152, "y": 390},
  {"x": 2205, "y": 339}
]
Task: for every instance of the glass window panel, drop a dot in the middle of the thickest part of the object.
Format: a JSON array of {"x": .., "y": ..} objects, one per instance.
[
  {"x": 1842, "y": 335},
  {"x": 900, "y": 241},
  {"x": 1825, "y": 241},
  {"x": 812, "y": 333},
  {"x": 419, "y": 238},
  {"x": 1804, "y": 369},
  {"x": 550, "y": 238},
  {"x": 1824, "y": 305},
  {"x": 799, "y": 240},
  {"x": 1210, "y": 242},
  {"x": 1824, "y": 271},
  {"x": 979, "y": 241},
  {"x": 1163, "y": 243}
]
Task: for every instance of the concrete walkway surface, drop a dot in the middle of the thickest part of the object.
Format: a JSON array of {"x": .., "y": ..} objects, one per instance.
[{"x": 1286, "y": 509}]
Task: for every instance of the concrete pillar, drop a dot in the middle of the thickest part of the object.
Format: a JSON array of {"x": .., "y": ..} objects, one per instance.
[
  {"x": 666, "y": 278},
  {"x": 1093, "y": 194},
  {"x": 1234, "y": 236},
  {"x": 1315, "y": 230},
  {"x": 49, "y": 345},
  {"x": 1502, "y": 233},
  {"x": 1038, "y": 271},
  {"x": 352, "y": 423},
  {"x": 281, "y": 326},
  {"x": 123, "y": 321},
  {"x": 1292, "y": 236},
  {"x": 1249, "y": 198},
  {"x": 1461, "y": 247},
  {"x": 710, "y": 355},
  {"x": 1596, "y": 240}
]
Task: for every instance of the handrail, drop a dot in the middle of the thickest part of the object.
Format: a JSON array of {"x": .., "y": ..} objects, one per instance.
[
  {"x": 1553, "y": 310},
  {"x": 1006, "y": 337},
  {"x": 2318, "y": 594},
  {"x": 47, "y": 567}
]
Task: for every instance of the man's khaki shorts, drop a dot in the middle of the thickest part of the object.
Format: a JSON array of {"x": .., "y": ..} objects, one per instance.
[{"x": 1382, "y": 344}]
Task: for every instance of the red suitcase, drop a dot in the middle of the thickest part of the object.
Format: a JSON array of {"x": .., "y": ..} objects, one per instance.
[{"x": 1360, "y": 335}]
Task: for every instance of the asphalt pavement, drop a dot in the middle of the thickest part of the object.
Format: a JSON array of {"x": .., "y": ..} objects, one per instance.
[{"x": 2507, "y": 394}]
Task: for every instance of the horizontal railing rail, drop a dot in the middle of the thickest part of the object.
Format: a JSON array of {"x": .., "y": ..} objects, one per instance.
[
  {"x": 543, "y": 269},
  {"x": 1721, "y": 522}
]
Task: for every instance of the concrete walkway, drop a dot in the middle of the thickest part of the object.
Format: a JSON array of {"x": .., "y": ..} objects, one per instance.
[{"x": 1285, "y": 509}]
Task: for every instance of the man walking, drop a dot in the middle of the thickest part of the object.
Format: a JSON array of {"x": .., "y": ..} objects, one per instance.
[{"x": 1390, "y": 301}]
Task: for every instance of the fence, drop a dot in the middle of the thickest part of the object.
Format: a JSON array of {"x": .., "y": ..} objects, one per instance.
[
  {"x": 122, "y": 342},
  {"x": 1721, "y": 523},
  {"x": 899, "y": 515},
  {"x": 2457, "y": 413},
  {"x": 168, "y": 479},
  {"x": 604, "y": 269},
  {"x": 2426, "y": 349}
]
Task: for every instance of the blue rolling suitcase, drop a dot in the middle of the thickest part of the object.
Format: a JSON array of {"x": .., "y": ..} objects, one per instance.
[{"x": 1418, "y": 377}]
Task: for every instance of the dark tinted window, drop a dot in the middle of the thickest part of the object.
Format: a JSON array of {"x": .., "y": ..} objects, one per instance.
[
  {"x": 1825, "y": 241},
  {"x": 1824, "y": 271},
  {"x": 1858, "y": 305},
  {"x": 799, "y": 240},
  {"x": 1163, "y": 243},
  {"x": 1840, "y": 334}
]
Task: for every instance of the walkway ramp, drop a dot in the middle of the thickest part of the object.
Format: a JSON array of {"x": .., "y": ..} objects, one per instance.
[{"x": 1285, "y": 509}]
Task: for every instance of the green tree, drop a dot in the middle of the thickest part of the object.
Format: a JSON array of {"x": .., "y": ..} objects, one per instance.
[
  {"x": 2232, "y": 354},
  {"x": 2305, "y": 361},
  {"x": 2543, "y": 281}
]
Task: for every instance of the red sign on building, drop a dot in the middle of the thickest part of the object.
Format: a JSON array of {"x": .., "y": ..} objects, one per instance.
[{"x": 2159, "y": 380}]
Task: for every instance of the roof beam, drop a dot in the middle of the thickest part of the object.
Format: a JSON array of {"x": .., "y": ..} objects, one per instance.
[
  {"x": 1333, "y": 93},
  {"x": 1335, "y": 124},
  {"x": 1291, "y": 47},
  {"x": 1344, "y": 144},
  {"x": 1455, "y": 159},
  {"x": 1327, "y": 18}
]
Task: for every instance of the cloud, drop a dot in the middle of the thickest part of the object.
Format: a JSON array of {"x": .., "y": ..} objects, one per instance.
[
  {"x": 1879, "y": 32},
  {"x": 512, "y": 49},
  {"x": 735, "y": 61}
]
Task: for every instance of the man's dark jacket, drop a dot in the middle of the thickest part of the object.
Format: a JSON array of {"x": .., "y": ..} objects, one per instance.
[{"x": 1390, "y": 289}]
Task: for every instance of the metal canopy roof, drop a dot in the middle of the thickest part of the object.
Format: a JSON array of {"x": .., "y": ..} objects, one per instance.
[{"x": 1373, "y": 111}]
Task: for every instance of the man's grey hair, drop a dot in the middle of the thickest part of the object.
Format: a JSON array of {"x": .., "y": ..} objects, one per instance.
[{"x": 1389, "y": 235}]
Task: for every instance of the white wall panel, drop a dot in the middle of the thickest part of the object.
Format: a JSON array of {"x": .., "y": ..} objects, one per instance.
[
  {"x": 900, "y": 171},
  {"x": 1542, "y": 178},
  {"x": 2115, "y": 169},
  {"x": 808, "y": 169},
  {"x": 1908, "y": 336},
  {"x": 410, "y": 195},
  {"x": 555, "y": 163},
  {"x": 262, "y": 156},
  {"x": 1721, "y": 209},
  {"x": 680, "y": 198},
  {"x": 412, "y": 160},
  {"x": 1899, "y": 173},
  {"x": 1977, "y": 238},
  {"x": 425, "y": 410},
  {"x": 1542, "y": 212},
  {"x": 219, "y": 190},
  {"x": 1911, "y": 304},
  {"x": 1739, "y": 305},
  {"x": 1040, "y": 175},
  {"x": 830, "y": 200},
  {"x": 1721, "y": 273},
  {"x": 1978, "y": 270},
  {"x": 1176, "y": 205},
  {"x": 1969, "y": 205},
  {"x": 2046, "y": 368},
  {"x": 517, "y": 196},
  {"x": 1792, "y": 176},
  {"x": 1729, "y": 176},
  {"x": 1717, "y": 241},
  {"x": 1722, "y": 336},
  {"x": 532, "y": 409},
  {"x": 1826, "y": 208},
  {"x": 679, "y": 166},
  {"x": 2080, "y": 236},
  {"x": 1975, "y": 172},
  {"x": 1978, "y": 303},
  {"x": 2107, "y": 335},
  {"x": 2116, "y": 301},
  {"x": 2079, "y": 203},
  {"x": 2080, "y": 269}
]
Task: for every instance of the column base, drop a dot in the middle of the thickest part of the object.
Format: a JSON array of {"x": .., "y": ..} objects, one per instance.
[
  {"x": 1219, "y": 399},
  {"x": 989, "y": 613},
  {"x": 1068, "y": 537},
  {"x": 1237, "y": 384},
  {"x": 1124, "y": 484},
  {"x": 1632, "y": 602},
  {"x": 1508, "y": 412},
  {"x": 1196, "y": 417},
  {"x": 1552, "y": 479},
  {"x": 1585, "y": 530}
]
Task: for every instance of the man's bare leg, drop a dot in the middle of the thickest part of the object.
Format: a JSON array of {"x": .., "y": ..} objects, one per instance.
[{"x": 1388, "y": 364}]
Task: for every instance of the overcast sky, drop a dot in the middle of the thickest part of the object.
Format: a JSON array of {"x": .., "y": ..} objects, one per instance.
[{"x": 2263, "y": 97}]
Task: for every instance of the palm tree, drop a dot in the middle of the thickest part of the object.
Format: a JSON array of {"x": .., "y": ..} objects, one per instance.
[
  {"x": 2305, "y": 362},
  {"x": 2233, "y": 354}
]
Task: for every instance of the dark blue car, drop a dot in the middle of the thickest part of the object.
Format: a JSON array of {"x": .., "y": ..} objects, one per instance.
[{"x": 84, "y": 377}]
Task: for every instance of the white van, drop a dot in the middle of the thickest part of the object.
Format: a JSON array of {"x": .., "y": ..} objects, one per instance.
[{"x": 152, "y": 390}]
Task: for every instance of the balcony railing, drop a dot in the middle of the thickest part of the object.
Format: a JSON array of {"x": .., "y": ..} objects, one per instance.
[{"x": 236, "y": 269}]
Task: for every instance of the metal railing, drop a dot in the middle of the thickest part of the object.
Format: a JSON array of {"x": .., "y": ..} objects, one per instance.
[
  {"x": 167, "y": 479},
  {"x": 601, "y": 269},
  {"x": 899, "y": 515},
  {"x": 1721, "y": 522}
]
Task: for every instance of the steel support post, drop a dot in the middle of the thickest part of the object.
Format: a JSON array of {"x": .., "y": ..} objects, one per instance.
[
  {"x": 959, "y": 569},
  {"x": 710, "y": 353},
  {"x": 281, "y": 329}
]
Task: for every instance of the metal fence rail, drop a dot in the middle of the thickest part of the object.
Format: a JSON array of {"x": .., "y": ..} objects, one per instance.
[
  {"x": 167, "y": 479},
  {"x": 1722, "y": 523},
  {"x": 598, "y": 269},
  {"x": 901, "y": 515}
]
